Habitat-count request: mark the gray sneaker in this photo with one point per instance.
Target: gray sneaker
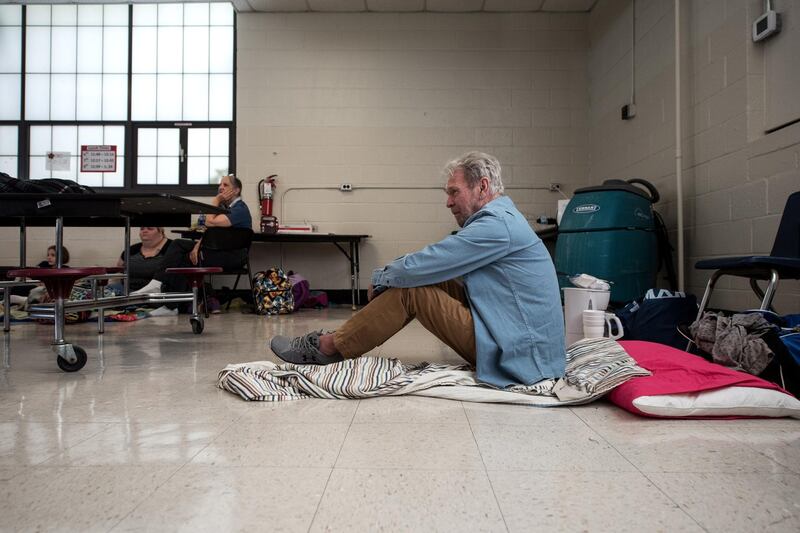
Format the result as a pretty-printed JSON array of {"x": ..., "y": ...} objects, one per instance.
[{"x": 303, "y": 350}]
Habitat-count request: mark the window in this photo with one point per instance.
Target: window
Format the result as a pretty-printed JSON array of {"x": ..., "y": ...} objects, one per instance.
[
  {"x": 8, "y": 149},
  {"x": 166, "y": 101},
  {"x": 10, "y": 61}
]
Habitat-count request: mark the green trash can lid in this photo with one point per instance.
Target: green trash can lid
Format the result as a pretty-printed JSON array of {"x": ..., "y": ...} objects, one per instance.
[{"x": 651, "y": 194}]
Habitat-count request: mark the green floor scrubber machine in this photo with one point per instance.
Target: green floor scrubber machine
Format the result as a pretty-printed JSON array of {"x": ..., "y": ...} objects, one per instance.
[{"x": 612, "y": 232}]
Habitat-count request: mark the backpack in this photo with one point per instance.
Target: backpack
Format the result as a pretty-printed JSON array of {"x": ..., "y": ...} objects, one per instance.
[
  {"x": 272, "y": 293},
  {"x": 655, "y": 317}
]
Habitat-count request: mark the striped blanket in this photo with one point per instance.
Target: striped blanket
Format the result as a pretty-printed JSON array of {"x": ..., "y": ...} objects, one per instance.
[{"x": 594, "y": 367}]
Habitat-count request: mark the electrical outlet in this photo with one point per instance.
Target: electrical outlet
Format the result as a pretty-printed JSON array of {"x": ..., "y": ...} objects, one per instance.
[
  {"x": 346, "y": 187},
  {"x": 628, "y": 111},
  {"x": 555, "y": 187}
]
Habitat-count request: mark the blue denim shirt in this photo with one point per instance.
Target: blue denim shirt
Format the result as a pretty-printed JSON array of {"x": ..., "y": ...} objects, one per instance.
[{"x": 513, "y": 293}]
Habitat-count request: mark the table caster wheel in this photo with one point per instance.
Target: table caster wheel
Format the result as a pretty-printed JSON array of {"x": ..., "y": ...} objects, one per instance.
[
  {"x": 66, "y": 366},
  {"x": 197, "y": 325}
]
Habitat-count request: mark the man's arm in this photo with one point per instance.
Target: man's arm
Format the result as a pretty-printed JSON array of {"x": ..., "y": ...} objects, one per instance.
[
  {"x": 220, "y": 221},
  {"x": 485, "y": 240}
]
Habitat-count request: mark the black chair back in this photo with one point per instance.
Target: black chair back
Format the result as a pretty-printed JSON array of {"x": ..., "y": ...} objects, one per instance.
[
  {"x": 227, "y": 238},
  {"x": 787, "y": 240}
]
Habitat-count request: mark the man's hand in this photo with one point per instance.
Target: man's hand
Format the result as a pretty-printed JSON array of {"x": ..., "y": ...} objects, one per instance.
[
  {"x": 227, "y": 196},
  {"x": 194, "y": 254},
  {"x": 370, "y": 292}
]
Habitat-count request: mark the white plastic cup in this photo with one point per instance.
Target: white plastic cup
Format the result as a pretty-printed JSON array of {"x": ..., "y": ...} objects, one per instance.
[
  {"x": 612, "y": 318},
  {"x": 576, "y": 300},
  {"x": 595, "y": 324}
]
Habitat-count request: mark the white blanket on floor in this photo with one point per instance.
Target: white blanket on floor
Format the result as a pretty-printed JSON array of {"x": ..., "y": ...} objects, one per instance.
[{"x": 594, "y": 367}]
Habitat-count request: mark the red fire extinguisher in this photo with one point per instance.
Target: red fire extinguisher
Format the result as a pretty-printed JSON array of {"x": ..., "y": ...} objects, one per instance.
[{"x": 266, "y": 192}]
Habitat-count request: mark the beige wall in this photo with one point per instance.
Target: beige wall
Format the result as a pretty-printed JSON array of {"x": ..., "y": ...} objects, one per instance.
[
  {"x": 384, "y": 100},
  {"x": 736, "y": 178}
]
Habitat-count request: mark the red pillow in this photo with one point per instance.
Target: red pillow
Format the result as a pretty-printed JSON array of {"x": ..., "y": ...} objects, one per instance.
[{"x": 676, "y": 372}]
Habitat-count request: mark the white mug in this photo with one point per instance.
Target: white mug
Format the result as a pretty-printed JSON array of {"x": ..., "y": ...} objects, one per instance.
[{"x": 595, "y": 323}]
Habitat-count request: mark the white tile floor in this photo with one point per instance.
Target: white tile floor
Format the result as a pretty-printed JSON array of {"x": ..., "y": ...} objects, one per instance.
[{"x": 141, "y": 439}]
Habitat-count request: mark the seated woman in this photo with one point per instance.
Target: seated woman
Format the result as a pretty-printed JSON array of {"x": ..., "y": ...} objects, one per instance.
[
  {"x": 146, "y": 258},
  {"x": 186, "y": 253}
]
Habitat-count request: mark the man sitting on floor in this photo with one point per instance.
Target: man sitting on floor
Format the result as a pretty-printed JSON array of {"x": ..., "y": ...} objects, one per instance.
[{"x": 489, "y": 291}]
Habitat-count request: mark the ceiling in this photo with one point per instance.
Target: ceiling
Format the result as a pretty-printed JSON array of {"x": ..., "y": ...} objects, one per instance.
[
  {"x": 377, "y": 6},
  {"x": 405, "y": 6}
]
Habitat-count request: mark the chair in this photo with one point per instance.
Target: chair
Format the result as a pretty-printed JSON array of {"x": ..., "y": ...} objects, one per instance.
[
  {"x": 782, "y": 263},
  {"x": 229, "y": 239}
]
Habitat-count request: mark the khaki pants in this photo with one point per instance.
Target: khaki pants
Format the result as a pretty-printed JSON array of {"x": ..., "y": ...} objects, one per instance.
[{"x": 442, "y": 309}]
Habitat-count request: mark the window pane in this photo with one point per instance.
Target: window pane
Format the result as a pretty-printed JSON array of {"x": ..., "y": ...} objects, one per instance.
[
  {"x": 37, "y": 49},
  {"x": 8, "y": 150},
  {"x": 197, "y": 171},
  {"x": 90, "y": 135},
  {"x": 219, "y": 141},
  {"x": 170, "y": 49},
  {"x": 115, "y": 179},
  {"x": 222, "y": 14},
  {"x": 37, "y": 97},
  {"x": 36, "y": 168},
  {"x": 90, "y": 97},
  {"x": 40, "y": 141},
  {"x": 90, "y": 50},
  {"x": 9, "y": 103},
  {"x": 65, "y": 15},
  {"x": 144, "y": 50},
  {"x": 170, "y": 14},
  {"x": 11, "y": 47},
  {"x": 169, "y": 97},
  {"x": 198, "y": 142},
  {"x": 65, "y": 139},
  {"x": 168, "y": 142},
  {"x": 115, "y": 97},
  {"x": 62, "y": 97},
  {"x": 195, "y": 14},
  {"x": 221, "y": 59},
  {"x": 220, "y": 97},
  {"x": 90, "y": 15},
  {"x": 146, "y": 170},
  {"x": 38, "y": 15},
  {"x": 144, "y": 97},
  {"x": 219, "y": 168},
  {"x": 115, "y": 15},
  {"x": 167, "y": 171},
  {"x": 10, "y": 15},
  {"x": 115, "y": 50},
  {"x": 64, "y": 50},
  {"x": 9, "y": 164},
  {"x": 195, "y": 97},
  {"x": 8, "y": 140},
  {"x": 91, "y": 179},
  {"x": 145, "y": 15},
  {"x": 115, "y": 135},
  {"x": 148, "y": 141},
  {"x": 195, "y": 59}
]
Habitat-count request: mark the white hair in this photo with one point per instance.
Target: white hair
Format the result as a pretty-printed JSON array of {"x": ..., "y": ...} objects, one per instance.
[{"x": 475, "y": 166}]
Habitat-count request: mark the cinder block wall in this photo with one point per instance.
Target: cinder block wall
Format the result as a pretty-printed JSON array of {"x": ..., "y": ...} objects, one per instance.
[
  {"x": 384, "y": 100},
  {"x": 736, "y": 178}
]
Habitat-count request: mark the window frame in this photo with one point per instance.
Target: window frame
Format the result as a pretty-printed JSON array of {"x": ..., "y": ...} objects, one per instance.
[{"x": 131, "y": 128}]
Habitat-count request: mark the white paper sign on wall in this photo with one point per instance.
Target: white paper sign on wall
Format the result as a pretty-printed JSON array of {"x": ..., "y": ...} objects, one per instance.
[
  {"x": 57, "y": 161},
  {"x": 98, "y": 158}
]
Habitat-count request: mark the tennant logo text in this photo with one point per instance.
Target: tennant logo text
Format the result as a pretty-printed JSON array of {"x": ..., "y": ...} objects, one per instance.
[{"x": 586, "y": 208}]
